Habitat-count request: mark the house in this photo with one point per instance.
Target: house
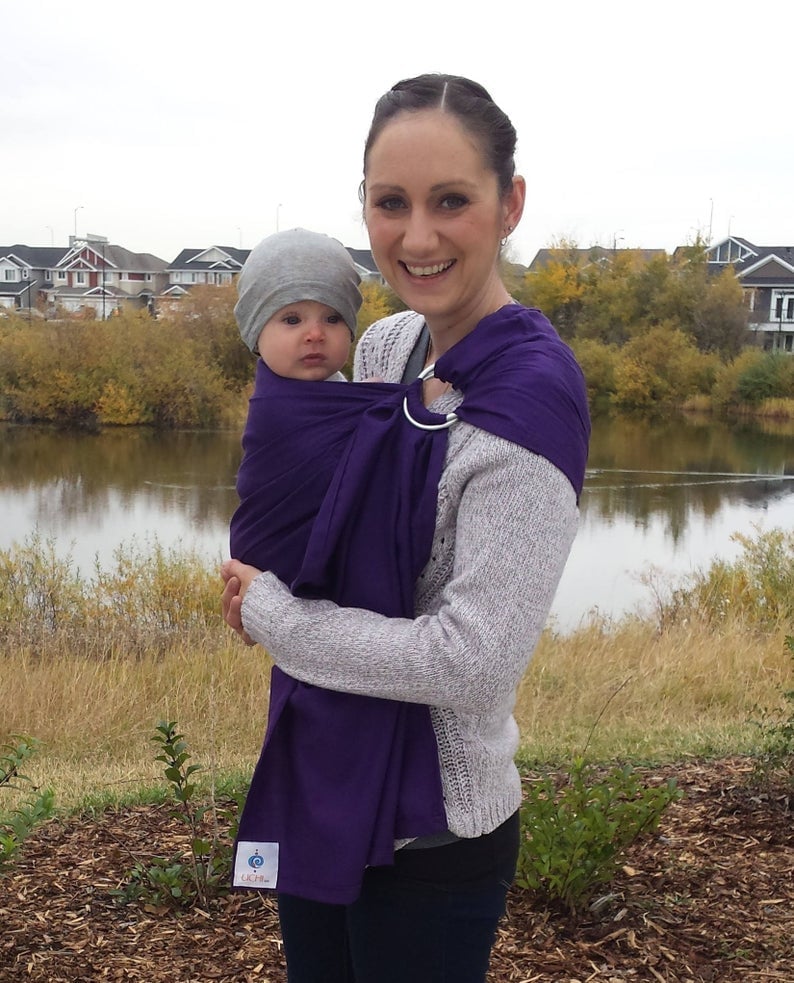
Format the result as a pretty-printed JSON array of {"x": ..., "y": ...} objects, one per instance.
[
  {"x": 95, "y": 275},
  {"x": 214, "y": 265},
  {"x": 600, "y": 255},
  {"x": 365, "y": 265},
  {"x": 766, "y": 274},
  {"x": 26, "y": 272}
]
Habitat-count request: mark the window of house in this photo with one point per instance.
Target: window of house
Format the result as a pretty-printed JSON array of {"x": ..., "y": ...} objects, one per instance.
[
  {"x": 80, "y": 276},
  {"x": 790, "y": 309},
  {"x": 61, "y": 274},
  {"x": 10, "y": 275}
]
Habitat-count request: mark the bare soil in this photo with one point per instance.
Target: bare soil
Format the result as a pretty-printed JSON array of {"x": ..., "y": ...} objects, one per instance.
[{"x": 708, "y": 897}]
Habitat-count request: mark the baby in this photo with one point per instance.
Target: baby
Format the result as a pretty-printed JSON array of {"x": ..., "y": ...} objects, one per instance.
[{"x": 298, "y": 299}]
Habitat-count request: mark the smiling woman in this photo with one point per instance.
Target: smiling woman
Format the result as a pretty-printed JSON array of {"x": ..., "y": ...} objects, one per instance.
[
  {"x": 436, "y": 211},
  {"x": 440, "y": 196}
]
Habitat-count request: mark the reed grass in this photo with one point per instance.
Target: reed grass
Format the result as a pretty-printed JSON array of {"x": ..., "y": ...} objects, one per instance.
[{"x": 91, "y": 678}]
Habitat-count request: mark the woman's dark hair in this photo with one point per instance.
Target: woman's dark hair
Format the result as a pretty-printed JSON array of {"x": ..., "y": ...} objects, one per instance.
[{"x": 468, "y": 101}]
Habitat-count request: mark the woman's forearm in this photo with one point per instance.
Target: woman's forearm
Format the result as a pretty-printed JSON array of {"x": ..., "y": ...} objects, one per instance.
[{"x": 515, "y": 524}]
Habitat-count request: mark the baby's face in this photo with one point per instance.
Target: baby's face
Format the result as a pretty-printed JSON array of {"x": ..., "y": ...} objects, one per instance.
[{"x": 305, "y": 340}]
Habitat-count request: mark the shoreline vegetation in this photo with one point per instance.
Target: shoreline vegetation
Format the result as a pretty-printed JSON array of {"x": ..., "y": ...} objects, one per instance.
[
  {"x": 683, "y": 346},
  {"x": 90, "y": 664}
]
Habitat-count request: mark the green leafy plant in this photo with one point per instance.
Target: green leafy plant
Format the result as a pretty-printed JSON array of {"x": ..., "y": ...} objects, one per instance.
[
  {"x": 204, "y": 871},
  {"x": 575, "y": 834},
  {"x": 34, "y": 805},
  {"x": 776, "y": 756}
]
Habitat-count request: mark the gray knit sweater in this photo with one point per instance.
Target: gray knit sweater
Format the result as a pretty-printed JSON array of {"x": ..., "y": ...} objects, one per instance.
[{"x": 505, "y": 523}]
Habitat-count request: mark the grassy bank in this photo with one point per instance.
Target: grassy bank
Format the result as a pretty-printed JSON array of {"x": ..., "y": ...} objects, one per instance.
[{"x": 90, "y": 666}]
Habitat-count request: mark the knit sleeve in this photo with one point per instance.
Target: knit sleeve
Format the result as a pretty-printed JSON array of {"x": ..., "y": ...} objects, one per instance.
[
  {"x": 515, "y": 525},
  {"x": 384, "y": 347}
]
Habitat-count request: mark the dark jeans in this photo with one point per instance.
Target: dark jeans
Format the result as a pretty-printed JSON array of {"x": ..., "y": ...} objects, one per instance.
[{"x": 431, "y": 918}]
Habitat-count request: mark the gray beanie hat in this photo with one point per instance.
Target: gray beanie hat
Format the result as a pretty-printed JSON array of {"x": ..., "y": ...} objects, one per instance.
[{"x": 292, "y": 266}]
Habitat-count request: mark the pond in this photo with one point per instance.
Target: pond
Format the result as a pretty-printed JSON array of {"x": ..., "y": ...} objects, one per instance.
[{"x": 666, "y": 496}]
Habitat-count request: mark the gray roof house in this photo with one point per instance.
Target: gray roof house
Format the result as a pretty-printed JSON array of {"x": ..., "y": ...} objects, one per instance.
[
  {"x": 215, "y": 265},
  {"x": 766, "y": 274},
  {"x": 365, "y": 265},
  {"x": 97, "y": 275},
  {"x": 25, "y": 273}
]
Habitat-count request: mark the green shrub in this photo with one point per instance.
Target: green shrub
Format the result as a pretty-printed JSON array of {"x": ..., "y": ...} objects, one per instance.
[
  {"x": 205, "y": 871},
  {"x": 33, "y": 806},
  {"x": 767, "y": 378},
  {"x": 574, "y": 836}
]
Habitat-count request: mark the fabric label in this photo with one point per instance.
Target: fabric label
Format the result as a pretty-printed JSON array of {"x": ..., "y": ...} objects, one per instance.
[{"x": 255, "y": 865}]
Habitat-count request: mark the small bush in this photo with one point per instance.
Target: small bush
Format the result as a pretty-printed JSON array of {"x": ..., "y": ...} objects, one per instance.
[
  {"x": 574, "y": 836},
  {"x": 204, "y": 872},
  {"x": 33, "y": 806},
  {"x": 756, "y": 588}
]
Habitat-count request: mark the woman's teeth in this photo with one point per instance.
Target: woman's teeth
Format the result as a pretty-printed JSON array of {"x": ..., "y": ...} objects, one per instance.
[{"x": 428, "y": 270}]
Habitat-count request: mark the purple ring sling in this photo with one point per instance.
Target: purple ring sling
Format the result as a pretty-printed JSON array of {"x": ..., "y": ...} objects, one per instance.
[{"x": 338, "y": 495}]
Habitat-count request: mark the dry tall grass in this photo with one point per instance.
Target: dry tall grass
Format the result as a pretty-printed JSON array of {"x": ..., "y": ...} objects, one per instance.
[{"x": 92, "y": 689}]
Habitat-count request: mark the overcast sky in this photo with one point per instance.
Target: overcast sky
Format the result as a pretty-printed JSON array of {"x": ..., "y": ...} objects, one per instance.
[{"x": 170, "y": 124}]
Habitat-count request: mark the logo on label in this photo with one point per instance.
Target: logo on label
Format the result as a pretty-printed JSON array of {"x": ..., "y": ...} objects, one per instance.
[
  {"x": 256, "y": 860},
  {"x": 255, "y": 865}
]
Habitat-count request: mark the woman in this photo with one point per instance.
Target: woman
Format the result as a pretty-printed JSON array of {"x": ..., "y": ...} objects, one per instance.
[{"x": 440, "y": 196}]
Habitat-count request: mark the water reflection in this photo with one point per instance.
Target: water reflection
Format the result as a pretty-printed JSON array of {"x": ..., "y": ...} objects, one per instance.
[
  {"x": 664, "y": 493},
  {"x": 683, "y": 471},
  {"x": 84, "y": 478}
]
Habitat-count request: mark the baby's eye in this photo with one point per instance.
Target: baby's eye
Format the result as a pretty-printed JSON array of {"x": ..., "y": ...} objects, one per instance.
[
  {"x": 334, "y": 318},
  {"x": 291, "y": 319},
  {"x": 452, "y": 202}
]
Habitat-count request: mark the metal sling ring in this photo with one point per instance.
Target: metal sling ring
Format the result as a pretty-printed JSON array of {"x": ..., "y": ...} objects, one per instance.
[{"x": 451, "y": 417}]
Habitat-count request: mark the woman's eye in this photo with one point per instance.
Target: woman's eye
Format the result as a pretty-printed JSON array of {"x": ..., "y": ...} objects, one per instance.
[
  {"x": 391, "y": 204},
  {"x": 451, "y": 202}
]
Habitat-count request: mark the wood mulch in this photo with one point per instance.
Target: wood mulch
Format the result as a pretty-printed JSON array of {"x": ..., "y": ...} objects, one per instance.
[{"x": 708, "y": 897}]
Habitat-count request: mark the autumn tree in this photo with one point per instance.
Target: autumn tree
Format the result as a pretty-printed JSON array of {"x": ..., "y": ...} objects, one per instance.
[
  {"x": 206, "y": 316},
  {"x": 661, "y": 367},
  {"x": 557, "y": 288},
  {"x": 720, "y": 316}
]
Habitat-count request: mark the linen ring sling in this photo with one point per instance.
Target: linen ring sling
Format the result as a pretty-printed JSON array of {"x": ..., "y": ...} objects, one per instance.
[{"x": 338, "y": 489}]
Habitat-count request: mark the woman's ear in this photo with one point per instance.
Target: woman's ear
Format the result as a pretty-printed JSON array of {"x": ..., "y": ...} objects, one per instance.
[{"x": 514, "y": 203}]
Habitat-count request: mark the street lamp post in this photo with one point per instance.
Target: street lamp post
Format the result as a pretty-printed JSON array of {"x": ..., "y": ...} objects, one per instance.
[{"x": 29, "y": 287}]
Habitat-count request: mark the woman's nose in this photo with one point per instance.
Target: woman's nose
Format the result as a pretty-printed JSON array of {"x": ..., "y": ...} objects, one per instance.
[{"x": 419, "y": 236}]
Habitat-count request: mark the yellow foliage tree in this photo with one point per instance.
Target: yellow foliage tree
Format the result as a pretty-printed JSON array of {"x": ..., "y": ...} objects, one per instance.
[{"x": 557, "y": 288}]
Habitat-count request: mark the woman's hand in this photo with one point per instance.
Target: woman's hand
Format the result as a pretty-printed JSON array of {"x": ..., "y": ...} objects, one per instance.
[{"x": 237, "y": 578}]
